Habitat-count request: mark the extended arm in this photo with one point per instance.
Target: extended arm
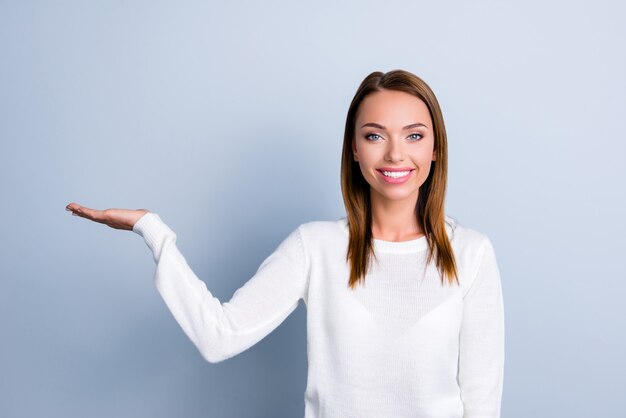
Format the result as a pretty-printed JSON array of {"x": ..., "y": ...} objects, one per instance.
[
  {"x": 481, "y": 355},
  {"x": 222, "y": 330}
]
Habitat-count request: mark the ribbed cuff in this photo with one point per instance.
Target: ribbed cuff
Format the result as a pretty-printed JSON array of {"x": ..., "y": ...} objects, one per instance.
[{"x": 152, "y": 229}]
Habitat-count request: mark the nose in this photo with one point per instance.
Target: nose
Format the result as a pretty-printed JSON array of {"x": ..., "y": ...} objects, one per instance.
[{"x": 394, "y": 151}]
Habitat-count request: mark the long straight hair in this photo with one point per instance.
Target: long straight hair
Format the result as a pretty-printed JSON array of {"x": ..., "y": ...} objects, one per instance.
[{"x": 429, "y": 210}]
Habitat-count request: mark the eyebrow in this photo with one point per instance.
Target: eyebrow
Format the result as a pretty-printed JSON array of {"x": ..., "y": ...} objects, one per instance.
[{"x": 379, "y": 126}]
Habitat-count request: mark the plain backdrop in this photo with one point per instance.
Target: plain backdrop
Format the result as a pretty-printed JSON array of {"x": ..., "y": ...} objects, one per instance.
[{"x": 226, "y": 119}]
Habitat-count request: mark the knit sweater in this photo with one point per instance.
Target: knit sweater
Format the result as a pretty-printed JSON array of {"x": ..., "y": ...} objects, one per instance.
[{"x": 402, "y": 345}]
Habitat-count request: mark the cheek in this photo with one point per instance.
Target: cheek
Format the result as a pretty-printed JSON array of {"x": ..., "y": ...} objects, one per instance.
[
  {"x": 424, "y": 156},
  {"x": 366, "y": 167},
  {"x": 366, "y": 158},
  {"x": 423, "y": 161}
]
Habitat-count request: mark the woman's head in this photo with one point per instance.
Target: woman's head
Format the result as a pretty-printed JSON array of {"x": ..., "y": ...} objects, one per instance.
[
  {"x": 398, "y": 95},
  {"x": 393, "y": 143}
]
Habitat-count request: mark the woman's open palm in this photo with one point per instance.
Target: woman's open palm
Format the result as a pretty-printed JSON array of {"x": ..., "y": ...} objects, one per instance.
[{"x": 113, "y": 217}]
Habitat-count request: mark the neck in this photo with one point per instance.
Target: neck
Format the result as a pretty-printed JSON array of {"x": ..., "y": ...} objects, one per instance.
[{"x": 395, "y": 220}]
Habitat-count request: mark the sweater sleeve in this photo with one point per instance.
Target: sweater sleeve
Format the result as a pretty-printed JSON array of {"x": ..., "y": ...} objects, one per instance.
[
  {"x": 481, "y": 350},
  {"x": 223, "y": 330}
]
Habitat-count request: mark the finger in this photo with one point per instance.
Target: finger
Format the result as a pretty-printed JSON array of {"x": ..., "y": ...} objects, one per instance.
[
  {"x": 74, "y": 208},
  {"x": 93, "y": 214},
  {"x": 88, "y": 213}
]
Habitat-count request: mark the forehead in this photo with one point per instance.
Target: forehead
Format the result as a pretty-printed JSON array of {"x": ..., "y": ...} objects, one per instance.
[{"x": 393, "y": 108}]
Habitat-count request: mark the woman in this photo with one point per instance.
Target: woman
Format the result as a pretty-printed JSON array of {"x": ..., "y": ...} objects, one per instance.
[{"x": 404, "y": 305}]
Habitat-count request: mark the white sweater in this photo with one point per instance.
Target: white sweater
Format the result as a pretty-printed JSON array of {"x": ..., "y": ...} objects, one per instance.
[{"x": 402, "y": 346}]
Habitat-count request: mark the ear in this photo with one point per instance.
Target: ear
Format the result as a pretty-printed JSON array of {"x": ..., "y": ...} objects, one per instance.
[
  {"x": 356, "y": 157},
  {"x": 434, "y": 155}
]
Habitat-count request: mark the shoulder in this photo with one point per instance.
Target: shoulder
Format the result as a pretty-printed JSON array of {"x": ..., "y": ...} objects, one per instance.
[
  {"x": 324, "y": 228},
  {"x": 464, "y": 237},
  {"x": 460, "y": 235},
  {"x": 325, "y": 234},
  {"x": 472, "y": 249},
  {"x": 333, "y": 224}
]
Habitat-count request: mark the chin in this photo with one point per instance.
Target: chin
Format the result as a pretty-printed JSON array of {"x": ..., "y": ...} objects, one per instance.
[{"x": 398, "y": 196}]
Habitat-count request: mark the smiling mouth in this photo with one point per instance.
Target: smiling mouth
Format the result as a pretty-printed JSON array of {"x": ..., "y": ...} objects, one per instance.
[{"x": 395, "y": 174}]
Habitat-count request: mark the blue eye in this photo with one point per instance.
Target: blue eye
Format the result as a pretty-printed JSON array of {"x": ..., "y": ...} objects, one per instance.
[
  {"x": 412, "y": 136},
  {"x": 370, "y": 135}
]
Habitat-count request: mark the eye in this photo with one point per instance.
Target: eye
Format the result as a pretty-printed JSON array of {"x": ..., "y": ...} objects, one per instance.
[
  {"x": 414, "y": 138},
  {"x": 372, "y": 137}
]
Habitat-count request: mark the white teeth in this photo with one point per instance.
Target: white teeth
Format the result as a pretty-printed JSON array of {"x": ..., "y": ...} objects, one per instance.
[{"x": 396, "y": 174}]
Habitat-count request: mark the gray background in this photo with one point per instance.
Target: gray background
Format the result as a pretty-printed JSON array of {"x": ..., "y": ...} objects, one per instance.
[{"x": 227, "y": 121}]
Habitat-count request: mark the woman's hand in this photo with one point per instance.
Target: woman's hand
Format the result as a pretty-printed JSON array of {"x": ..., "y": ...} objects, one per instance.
[{"x": 115, "y": 218}]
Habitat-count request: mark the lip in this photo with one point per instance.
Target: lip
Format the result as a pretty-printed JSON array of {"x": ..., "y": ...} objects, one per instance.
[
  {"x": 395, "y": 169},
  {"x": 391, "y": 180}
]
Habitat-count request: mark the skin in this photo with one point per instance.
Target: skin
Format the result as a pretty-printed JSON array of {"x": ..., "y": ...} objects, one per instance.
[
  {"x": 393, "y": 205},
  {"x": 115, "y": 218}
]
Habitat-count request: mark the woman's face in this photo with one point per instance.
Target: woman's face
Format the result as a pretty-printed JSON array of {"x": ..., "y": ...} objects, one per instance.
[{"x": 394, "y": 144}]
